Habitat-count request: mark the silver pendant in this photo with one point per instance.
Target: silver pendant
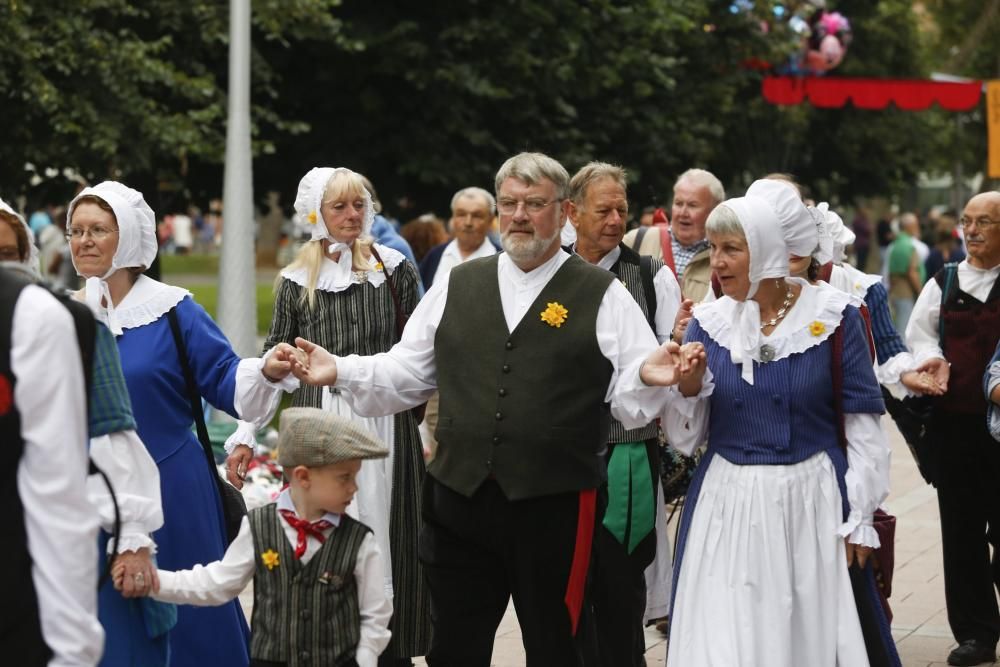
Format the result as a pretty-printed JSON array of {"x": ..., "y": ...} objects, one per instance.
[{"x": 766, "y": 353}]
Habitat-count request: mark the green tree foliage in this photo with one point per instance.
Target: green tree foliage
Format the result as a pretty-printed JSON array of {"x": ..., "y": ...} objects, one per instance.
[{"x": 428, "y": 97}]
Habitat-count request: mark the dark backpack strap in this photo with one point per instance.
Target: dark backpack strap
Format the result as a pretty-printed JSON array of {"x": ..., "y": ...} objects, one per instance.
[
  {"x": 947, "y": 280},
  {"x": 639, "y": 234},
  {"x": 648, "y": 290}
]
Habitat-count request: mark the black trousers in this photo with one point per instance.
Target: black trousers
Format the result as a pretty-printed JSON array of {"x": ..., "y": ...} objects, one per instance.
[
  {"x": 619, "y": 586},
  {"x": 478, "y": 552},
  {"x": 969, "y": 500}
]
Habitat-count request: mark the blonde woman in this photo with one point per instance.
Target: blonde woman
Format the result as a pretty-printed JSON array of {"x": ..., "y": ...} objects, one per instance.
[{"x": 338, "y": 292}]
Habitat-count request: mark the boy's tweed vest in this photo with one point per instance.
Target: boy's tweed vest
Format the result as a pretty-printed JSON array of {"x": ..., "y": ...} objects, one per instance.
[
  {"x": 524, "y": 407},
  {"x": 305, "y": 614}
]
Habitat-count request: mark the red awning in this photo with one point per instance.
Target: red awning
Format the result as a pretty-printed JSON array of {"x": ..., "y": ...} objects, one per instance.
[{"x": 906, "y": 94}]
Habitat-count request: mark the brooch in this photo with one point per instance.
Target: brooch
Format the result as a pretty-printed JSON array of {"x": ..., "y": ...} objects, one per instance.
[
  {"x": 335, "y": 581},
  {"x": 312, "y": 218},
  {"x": 555, "y": 314},
  {"x": 270, "y": 559},
  {"x": 817, "y": 328},
  {"x": 766, "y": 353}
]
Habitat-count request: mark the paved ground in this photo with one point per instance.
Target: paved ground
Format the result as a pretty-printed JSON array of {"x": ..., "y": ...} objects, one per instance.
[{"x": 920, "y": 626}]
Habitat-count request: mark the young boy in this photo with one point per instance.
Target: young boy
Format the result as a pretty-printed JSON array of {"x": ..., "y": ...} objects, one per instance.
[{"x": 317, "y": 573}]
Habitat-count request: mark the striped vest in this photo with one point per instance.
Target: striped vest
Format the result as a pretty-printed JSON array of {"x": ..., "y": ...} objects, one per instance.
[
  {"x": 305, "y": 614},
  {"x": 628, "y": 271}
]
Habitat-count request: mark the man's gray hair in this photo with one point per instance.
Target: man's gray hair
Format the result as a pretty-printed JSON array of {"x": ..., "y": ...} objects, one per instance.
[
  {"x": 491, "y": 202},
  {"x": 700, "y": 178},
  {"x": 723, "y": 221},
  {"x": 590, "y": 173},
  {"x": 533, "y": 168}
]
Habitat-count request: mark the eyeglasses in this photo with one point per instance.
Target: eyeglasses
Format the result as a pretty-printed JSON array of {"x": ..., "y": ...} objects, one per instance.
[
  {"x": 982, "y": 223},
  {"x": 97, "y": 233},
  {"x": 532, "y": 206}
]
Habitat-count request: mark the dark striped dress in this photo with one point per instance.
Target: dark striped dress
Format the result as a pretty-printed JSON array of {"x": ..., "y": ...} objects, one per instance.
[{"x": 361, "y": 320}]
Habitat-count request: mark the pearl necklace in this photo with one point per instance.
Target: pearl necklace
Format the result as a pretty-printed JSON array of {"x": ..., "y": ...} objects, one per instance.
[{"x": 786, "y": 304}]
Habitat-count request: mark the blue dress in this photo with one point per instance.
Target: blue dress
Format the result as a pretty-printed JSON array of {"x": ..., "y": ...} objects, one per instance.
[{"x": 192, "y": 531}]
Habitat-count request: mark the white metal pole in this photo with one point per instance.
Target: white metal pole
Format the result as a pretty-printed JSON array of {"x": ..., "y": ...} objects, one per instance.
[{"x": 237, "y": 312}]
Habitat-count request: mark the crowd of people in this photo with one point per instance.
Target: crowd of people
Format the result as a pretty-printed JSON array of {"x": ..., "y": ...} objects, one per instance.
[{"x": 478, "y": 415}]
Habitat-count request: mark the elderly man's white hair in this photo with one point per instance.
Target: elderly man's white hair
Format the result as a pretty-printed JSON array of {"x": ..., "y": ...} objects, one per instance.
[
  {"x": 701, "y": 178},
  {"x": 473, "y": 191}
]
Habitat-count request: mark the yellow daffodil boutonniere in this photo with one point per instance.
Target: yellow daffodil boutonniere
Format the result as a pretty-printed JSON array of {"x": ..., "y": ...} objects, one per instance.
[
  {"x": 817, "y": 328},
  {"x": 312, "y": 217},
  {"x": 555, "y": 314},
  {"x": 378, "y": 266},
  {"x": 270, "y": 559}
]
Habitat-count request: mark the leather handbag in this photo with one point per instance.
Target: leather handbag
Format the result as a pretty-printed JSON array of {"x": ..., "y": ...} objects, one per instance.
[
  {"x": 401, "y": 319},
  {"x": 234, "y": 507}
]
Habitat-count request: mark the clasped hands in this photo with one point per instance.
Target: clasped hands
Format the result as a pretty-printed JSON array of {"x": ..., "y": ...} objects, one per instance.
[
  {"x": 670, "y": 363},
  {"x": 929, "y": 378},
  {"x": 134, "y": 574}
]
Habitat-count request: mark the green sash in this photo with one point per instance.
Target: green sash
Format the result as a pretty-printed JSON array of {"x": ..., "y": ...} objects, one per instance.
[{"x": 631, "y": 501}]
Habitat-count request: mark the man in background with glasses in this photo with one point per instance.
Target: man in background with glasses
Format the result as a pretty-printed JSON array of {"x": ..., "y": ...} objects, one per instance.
[{"x": 953, "y": 332}]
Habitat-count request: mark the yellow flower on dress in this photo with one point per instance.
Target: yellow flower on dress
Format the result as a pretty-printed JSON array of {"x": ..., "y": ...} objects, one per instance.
[
  {"x": 270, "y": 559},
  {"x": 555, "y": 314},
  {"x": 312, "y": 217},
  {"x": 378, "y": 266},
  {"x": 817, "y": 328}
]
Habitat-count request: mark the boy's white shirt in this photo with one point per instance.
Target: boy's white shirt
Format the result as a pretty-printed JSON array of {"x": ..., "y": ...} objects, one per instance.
[{"x": 221, "y": 581}]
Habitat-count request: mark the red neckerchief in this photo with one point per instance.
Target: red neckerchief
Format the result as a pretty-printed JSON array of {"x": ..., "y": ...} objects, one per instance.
[{"x": 304, "y": 528}]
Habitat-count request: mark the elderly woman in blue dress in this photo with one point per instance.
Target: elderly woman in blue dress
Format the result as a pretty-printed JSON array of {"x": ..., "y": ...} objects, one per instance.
[
  {"x": 112, "y": 236},
  {"x": 772, "y": 564}
]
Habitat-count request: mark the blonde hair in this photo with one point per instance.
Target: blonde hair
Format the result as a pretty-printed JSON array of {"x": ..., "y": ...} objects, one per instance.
[{"x": 342, "y": 186}]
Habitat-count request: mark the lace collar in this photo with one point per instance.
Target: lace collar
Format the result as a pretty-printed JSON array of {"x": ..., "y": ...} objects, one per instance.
[
  {"x": 812, "y": 319},
  {"x": 849, "y": 279},
  {"x": 146, "y": 302},
  {"x": 337, "y": 276}
]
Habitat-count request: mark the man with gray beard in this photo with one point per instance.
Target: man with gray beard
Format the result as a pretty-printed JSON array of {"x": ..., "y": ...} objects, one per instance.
[{"x": 533, "y": 351}]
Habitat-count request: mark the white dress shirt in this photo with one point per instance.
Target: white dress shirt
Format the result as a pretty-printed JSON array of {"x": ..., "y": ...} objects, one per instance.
[
  {"x": 219, "y": 582},
  {"x": 668, "y": 294},
  {"x": 406, "y": 375},
  {"x": 61, "y": 525},
  {"x": 452, "y": 257},
  {"x": 922, "y": 328}
]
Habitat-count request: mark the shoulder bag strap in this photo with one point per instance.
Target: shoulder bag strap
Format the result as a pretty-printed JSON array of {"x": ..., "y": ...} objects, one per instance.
[
  {"x": 400, "y": 318},
  {"x": 193, "y": 396},
  {"x": 837, "y": 370},
  {"x": 639, "y": 234},
  {"x": 648, "y": 289},
  {"x": 950, "y": 273}
]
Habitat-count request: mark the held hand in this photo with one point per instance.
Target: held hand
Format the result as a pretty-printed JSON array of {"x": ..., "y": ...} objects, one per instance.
[
  {"x": 138, "y": 576},
  {"x": 681, "y": 320},
  {"x": 922, "y": 383},
  {"x": 940, "y": 369},
  {"x": 279, "y": 362},
  {"x": 662, "y": 367},
  {"x": 693, "y": 364},
  {"x": 857, "y": 552},
  {"x": 237, "y": 464},
  {"x": 314, "y": 365}
]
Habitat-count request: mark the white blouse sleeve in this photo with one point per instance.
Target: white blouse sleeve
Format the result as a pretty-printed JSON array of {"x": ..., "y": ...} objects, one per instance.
[
  {"x": 374, "y": 606},
  {"x": 867, "y": 477},
  {"x": 890, "y": 373},
  {"x": 256, "y": 400},
  {"x": 922, "y": 328},
  {"x": 668, "y": 301},
  {"x": 136, "y": 482},
  {"x": 215, "y": 583},
  {"x": 685, "y": 418}
]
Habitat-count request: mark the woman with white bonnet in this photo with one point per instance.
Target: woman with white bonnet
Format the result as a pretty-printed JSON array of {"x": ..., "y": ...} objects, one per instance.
[
  {"x": 773, "y": 552},
  {"x": 345, "y": 292},
  {"x": 112, "y": 235}
]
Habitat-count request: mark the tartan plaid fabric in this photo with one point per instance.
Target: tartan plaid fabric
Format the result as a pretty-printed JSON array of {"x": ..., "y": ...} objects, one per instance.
[{"x": 110, "y": 407}]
